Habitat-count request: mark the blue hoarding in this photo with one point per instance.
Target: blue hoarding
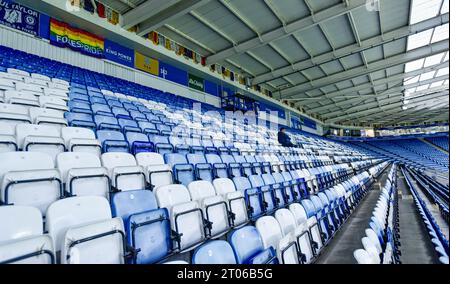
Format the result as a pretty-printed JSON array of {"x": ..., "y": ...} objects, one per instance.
[
  {"x": 19, "y": 17},
  {"x": 211, "y": 88},
  {"x": 173, "y": 74},
  {"x": 118, "y": 53}
]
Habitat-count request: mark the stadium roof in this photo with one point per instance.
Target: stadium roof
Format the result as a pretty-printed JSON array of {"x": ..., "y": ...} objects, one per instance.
[{"x": 375, "y": 62}]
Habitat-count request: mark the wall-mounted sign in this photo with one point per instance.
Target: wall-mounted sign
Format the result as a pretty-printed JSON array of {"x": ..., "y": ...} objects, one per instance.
[{"x": 196, "y": 83}]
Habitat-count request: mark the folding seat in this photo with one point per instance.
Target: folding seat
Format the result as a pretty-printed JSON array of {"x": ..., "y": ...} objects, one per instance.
[
  {"x": 179, "y": 144},
  {"x": 256, "y": 166},
  {"x": 128, "y": 125},
  {"x": 53, "y": 103},
  {"x": 51, "y": 117},
  {"x": 203, "y": 169},
  {"x": 208, "y": 145},
  {"x": 138, "y": 116},
  {"x": 8, "y": 141},
  {"x": 78, "y": 139},
  {"x": 40, "y": 138},
  {"x": 363, "y": 257},
  {"x": 246, "y": 167},
  {"x": 317, "y": 236},
  {"x": 6, "y": 84},
  {"x": 271, "y": 202},
  {"x": 116, "y": 107},
  {"x": 163, "y": 127},
  {"x": 101, "y": 109},
  {"x": 195, "y": 144},
  {"x": 215, "y": 208},
  {"x": 214, "y": 252},
  {"x": 79, "y": 107},
  {"x": 183, "y": 172},
  {"x": 152, "y": 117},
  {"x": 186, "y": 217},
  {"x": 235, "y": 199},
  {"x": 147, "y": 127},
  {"x": 219, "y": 169},
  {"x": 84, "y": 231},
  {"x": 234, "y": 169},
  {"x": 129, "y": 106},
  {"x": 29, "y": 178},
  {"x": 35, "y": 82},
  {"x": 76, "y": 97},
  {"x": 124, "y": 172},
  {"x": 21, "y": 98},
  {"x": 299, "y": 186},
  {"x": 147, "y": 227},
  {"x": 281, "y": 190},
  {"x": 57, "y": 91},
  {"x": 83, "y": 174},
  {"x": 253, "y": 197},
  {"x": 112, "y": 141},
  {"x": 248, "y": 247},
  {"x": 265, "y": 165},
  {"x": 21, "y": 239},
  {"x": 139, "y": 142},
  {"x": 272, "y": 237},
  {"x": 120, "y": 113},
  {"x": 288, "y": 192},
  {"x": 14, "y": 114},
  {"x": 162, "y": 145},
  {"x": 156, "y": 171},
  {"x": 103, "y": 122}
]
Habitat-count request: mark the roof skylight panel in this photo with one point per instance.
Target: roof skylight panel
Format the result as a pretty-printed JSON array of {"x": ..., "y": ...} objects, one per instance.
[
  {"x": 427, "y": 76},
  {"x": 414, "y": 65},
  {"x": 422, "y": 88},
  {"x": 440, "y": 33},
  {"x": 411, "y": 80},
  {"x": 419, "y": 39},
  {"x": 433, "y": 60},
  {"x": 424, "y": 9},
  {"x": 437, "y": 84},
  {"x": 444, "y": 7},
  {"x": 442, "y": 72}
]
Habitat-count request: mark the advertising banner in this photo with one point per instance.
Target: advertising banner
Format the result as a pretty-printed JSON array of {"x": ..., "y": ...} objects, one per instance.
[
  {"x": 173, "y": 74},
  {"x": 64, "y": 35},
  {"x": 146, "y": 64},
  {"x": 119, "y": 54},
  {"x": 196, "y": 83},
  {"x": 19, "y": 17}
]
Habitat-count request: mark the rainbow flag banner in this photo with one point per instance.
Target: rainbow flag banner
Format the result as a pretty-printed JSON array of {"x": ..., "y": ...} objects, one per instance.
[{"x": 64, "y": 35}]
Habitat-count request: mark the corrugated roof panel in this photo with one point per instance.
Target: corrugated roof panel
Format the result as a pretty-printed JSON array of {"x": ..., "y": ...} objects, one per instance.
[
  {"x": 339, "y": 31},
  {"x": 367, "y": 23},
  {"x": 351, "y": 61},
  {"x": 394, "y": 14},
  {"x": 270, "y": 56},
  {"x": 314, "y": 41},
  {"x": 249, "y": 63},
  {"x": 291, "y": 10},
  {"x": 297, "y": 78},
  {"x": 374, "y": 54},
  {"x": 313, "y": 73},
  {"x": 291, "y": 48},
  {"x": 332, "y": 67},
  {"x": 395, "y": 47},
  {"x": 318, "y": 5}
]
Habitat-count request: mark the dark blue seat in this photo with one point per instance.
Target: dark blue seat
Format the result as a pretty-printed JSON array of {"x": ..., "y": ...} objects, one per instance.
[
  {"x": 128, "y": 125},
  {"x": 101, "y": 109},
  {"x": 220, "y": 169},
  {"x": 80, "y": 107},
  {"x": 139, "y": 142},
  {"x": 147, "y": 227},
  {"x": 253, "y": 197},
  {"x": 184, "y": 173},
  {"x": 103, "y": 122},
  {"x": 112, "y": 141},
  {"x": 248, "y": 247},
  {"x": 203, "y": 170},
  {"x": 271, "y": 202},
  {"x": 120, "y": 113},
  {"x": 162, "y": 145},
  {"x": 76, "y": 119}
]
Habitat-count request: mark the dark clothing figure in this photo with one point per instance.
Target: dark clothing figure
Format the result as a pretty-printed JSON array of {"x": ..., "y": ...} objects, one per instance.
[{"x": 284, "y": 139}]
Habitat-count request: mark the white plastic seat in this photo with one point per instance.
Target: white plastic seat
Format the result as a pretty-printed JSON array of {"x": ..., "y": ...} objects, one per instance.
[
  {"x": 214, "y": 207},
  {"x": 53, "y": 102},
  {"x": 156, "y": 171},
  {"x": 29, "y": 178},
  {"x": 58, "y": 91},
  {"x": 272, "y": 236},
  {"x": 21, "y": 98},
  {"x": 362, "y": 257},
  {"x": 51, "y": 117},
  {"x": 123, "y": 170},
  {"x": 14, "y": 114},
  {"x": 34, "y": 81},
  {"x": 40, "y": 77},
  {"x": 79, "y": 139},
  {"x": 84, "y": 232},
  {"x": 40, "y": 138},
  {"x": 370, "y": 247},
  {"x": 21, "y": 236},
  {"x": 8, "y": 141},
  {"x": 83, "y": 174},
  {"x": 186, "y": 216},
  {"x": 7, "y": 84},
  {"x": 235, "y": 199}
]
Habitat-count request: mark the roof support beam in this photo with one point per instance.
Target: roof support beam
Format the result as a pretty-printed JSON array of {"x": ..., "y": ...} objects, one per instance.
[
  {"x": 391, "y": 96},
  {"x": 369, "y": 85},
  {"x": 152, "y": 15},
  {"x": 388, "y": 105},
  {"x": 412, "y": 55},
  {"x": 284, "y": 31},
  {"x": 355, "y": 48}
]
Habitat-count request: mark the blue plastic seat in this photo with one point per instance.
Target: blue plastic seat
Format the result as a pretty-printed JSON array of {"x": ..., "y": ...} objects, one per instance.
[
  {"x": 139, "y": 142},
  {"x": 271, "y": 203},
  {"x": 80, "y": 107},
  {"x": 112, "y": 141},
  {"x": 138, "y": 116},
  {"x": 101, "y": 109},
  {"x": 253, "y": 197},
  {"x": 128, "y": 125},
  {"x": 214, "y": 252},
  {"x": 147, "y": 227},
  {"x": 203, "y": 170},
  {"x": 120, "y": 113},
  {"x": 248, "y": 247},
  {"x": 183, "y": 172},
  {"x": 220, "y": 169},
  {"x": 103, "y": 122},
  {"x": 76, "y": 119},
  {"x": 235, "y": 169},
  {"x": 162, "y": 145},
  {"x": 147, "y": 127},
  {"x": 246, "y": 167}
]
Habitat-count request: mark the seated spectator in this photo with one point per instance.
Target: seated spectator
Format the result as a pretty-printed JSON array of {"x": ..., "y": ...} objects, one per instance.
[{"x": 284, "y": 139}]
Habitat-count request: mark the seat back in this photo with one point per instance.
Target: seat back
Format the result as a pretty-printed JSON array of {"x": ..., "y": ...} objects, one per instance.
[
  {"x": 19, "y": 222},
  {"x": 123, "y": 170},
  {"x": 246, "y": 243},
  {"x": 156, "y": 171},
  {"x": 214, "y": 252}
]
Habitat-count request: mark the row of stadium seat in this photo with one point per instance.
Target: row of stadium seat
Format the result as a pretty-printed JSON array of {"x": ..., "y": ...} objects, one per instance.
[{"x": 381, "y": 240}]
